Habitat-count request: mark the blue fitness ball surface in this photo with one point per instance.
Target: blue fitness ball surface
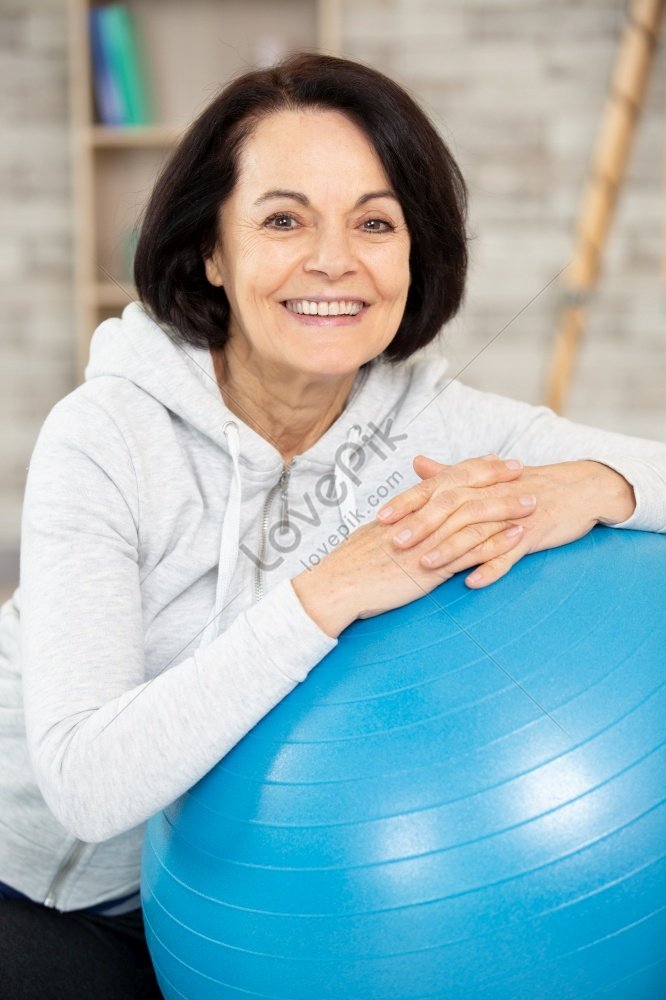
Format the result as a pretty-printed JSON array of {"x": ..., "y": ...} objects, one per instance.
[{"x": 465, "y": 799}]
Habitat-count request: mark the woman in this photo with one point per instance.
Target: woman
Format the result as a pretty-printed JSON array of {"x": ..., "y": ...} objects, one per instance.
[{"x": 207, "y": 512}]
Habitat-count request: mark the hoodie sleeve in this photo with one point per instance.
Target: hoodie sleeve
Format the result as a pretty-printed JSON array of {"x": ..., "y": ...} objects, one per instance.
[
  {"x": 109, "y": 749},
  {"x": 478, "y": 422}
]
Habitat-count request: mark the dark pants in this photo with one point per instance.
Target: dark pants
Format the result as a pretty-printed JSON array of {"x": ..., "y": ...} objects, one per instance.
[{"x": 48, "y": 955}]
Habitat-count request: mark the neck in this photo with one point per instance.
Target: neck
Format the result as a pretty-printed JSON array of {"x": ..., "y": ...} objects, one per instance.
[{"x": 290, "y": 410}]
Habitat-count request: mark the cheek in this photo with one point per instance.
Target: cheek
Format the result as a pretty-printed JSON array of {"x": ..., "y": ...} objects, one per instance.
[
  {"x": 269, "y": 266},
  {"x": 393, "y": 277}
]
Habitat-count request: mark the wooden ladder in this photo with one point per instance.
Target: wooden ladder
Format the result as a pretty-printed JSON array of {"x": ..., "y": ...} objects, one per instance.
[{"x": 623, "y": 107}]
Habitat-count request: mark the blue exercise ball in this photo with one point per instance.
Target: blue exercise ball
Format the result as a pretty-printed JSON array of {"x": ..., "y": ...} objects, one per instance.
[{"x": 465, "y": 799}]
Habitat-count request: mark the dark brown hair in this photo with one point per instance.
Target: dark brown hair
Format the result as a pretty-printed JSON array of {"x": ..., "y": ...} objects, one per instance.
[{"x": 180, "y": 226}]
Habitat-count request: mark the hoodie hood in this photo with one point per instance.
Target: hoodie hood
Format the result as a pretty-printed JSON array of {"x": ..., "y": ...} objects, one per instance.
[{"x": 181, "y": 378}]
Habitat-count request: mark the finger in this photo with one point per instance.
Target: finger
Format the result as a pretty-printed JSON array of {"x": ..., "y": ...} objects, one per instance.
[
  {"x": 494, "y": 569},
  {"x": 496, "y": 545},
  {"x": 472, "y": 542},
  {"x": 473, "y": 472},
  {"x": 449, "y": 513},
  {"x": 404, "y": 503},
  {"x": 480, "y": 471},
  {"x": 426, "y": 467}
]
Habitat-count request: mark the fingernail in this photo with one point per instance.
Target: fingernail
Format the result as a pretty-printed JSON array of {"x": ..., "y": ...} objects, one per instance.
[
  {"x": 474, "y": 577},
  {"x": 384, "y": 512},
  {"x": 528, "y": 501},
  {"x": 431, "y": 557},
  {"x": 404, "y": 536},
  {"x": 515, "y": 530},
  {"x": 514, "y": 464}
]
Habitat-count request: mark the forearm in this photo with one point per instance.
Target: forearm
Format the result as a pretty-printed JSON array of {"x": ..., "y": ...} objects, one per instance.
[
  {"x": 537, "y": 436},
  {"x": 330, "y": 605},
  {"x": 109, "y": 769}
]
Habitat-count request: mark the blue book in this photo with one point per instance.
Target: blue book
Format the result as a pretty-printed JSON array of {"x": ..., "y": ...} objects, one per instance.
[
  {"x": 121, "y": 50},
  {"x": 105, "y": 87}
]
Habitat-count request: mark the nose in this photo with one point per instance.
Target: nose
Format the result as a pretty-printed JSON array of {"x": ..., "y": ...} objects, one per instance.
[{"x": 331, "y": 252}]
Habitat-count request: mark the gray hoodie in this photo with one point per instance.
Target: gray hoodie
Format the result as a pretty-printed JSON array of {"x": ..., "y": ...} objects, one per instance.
[{"x": 155, "y": 622}]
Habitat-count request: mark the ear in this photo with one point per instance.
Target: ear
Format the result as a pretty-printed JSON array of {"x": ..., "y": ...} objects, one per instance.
[{"x": 214, "y": 271}]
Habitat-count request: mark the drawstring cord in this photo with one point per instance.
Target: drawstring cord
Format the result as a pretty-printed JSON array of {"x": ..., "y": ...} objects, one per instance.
[{"x": 230, "y": 536}]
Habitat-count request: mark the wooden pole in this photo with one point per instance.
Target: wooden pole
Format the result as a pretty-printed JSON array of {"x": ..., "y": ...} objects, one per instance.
[{"x": 609, "y": 161}]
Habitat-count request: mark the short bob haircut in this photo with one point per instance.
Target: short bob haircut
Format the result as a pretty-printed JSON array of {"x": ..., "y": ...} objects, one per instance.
[{"x": 180, "y": 226}]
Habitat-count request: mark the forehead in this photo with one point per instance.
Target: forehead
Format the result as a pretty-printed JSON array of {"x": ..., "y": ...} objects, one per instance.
[{"x": 311, "y": 148}]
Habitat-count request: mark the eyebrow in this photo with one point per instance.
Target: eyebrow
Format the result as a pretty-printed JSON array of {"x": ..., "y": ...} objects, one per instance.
[{"x": 304, "y": 200}]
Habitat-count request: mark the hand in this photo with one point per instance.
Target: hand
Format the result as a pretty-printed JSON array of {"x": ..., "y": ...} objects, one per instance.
[
  {"x": 366, "y": 575},
  {"x": 454, "y": 528}
]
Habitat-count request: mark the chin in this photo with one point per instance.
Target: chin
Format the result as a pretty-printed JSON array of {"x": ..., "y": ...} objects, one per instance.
[{"x": 324, "y": 363}]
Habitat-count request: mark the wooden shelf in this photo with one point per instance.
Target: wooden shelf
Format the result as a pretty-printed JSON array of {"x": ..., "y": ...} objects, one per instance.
[{"x": 132, "y": 136}]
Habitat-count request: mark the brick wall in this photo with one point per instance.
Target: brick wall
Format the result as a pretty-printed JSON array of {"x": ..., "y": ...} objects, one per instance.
[
  {"x": 36, "y": 333},
  {"x": 517, "y": 90}
]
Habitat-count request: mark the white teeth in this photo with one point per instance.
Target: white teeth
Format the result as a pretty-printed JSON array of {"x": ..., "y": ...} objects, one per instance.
[{"x": 307, "y": 307}]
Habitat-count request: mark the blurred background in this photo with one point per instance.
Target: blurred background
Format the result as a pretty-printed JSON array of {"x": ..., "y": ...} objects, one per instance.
[{"x": 517, "y": 89}]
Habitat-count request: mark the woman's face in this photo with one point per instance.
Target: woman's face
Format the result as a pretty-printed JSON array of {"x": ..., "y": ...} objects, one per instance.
[{"x": 313, "y": 250}]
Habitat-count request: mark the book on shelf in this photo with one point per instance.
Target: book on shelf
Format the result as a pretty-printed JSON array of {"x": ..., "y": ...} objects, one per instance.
[
  {"x": 105, "y": 87},
  {"x": 121, "y": 95}
]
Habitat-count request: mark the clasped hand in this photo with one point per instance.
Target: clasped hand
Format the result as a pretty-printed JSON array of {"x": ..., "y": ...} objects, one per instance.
[{"x": 489, "y": 513}]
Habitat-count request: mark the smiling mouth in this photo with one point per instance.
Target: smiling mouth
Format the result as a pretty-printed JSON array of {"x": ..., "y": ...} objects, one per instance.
[{"x": 311, "y": 307}]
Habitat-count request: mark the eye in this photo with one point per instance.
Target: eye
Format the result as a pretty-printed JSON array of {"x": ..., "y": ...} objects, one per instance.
[
  {"x": 281, "y": 220},
  {"x": 377, "y": 226}
]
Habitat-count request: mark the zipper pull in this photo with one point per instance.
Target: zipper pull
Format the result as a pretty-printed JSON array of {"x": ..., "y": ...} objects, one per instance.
[{"x": 284, "y": 511}]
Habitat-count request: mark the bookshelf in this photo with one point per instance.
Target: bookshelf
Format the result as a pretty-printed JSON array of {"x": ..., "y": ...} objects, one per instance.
[{"x": 188, "y": 52}]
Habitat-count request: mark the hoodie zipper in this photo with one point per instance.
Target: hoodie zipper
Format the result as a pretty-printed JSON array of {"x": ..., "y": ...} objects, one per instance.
[
  {"x": 281, "y": 487},
  {"x": 70, "y": 860}
]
